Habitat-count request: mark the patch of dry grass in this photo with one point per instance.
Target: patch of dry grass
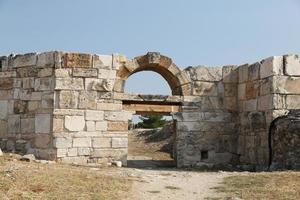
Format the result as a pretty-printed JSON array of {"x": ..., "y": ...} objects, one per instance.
[
  {"x": 273, "y": 185},
  {"x": 24, "y": 180}
]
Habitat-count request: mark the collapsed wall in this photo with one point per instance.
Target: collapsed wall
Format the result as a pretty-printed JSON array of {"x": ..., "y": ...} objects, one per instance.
[{"x": 70, "y": 107}]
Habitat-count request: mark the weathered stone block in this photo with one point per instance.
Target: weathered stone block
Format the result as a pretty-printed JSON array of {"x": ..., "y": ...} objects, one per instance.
[
  {"x": 14, "y": 124},
  {"x": 42, "y": 123},
  {"x": 202, "y": 73},
  {"x": 72, "y": 152},
  {"x": 243, "y": 73},
  {"x": 84, "y": 151},
  {"x": 82, "y": 142},
  {"x": 62, "y": 73},
  {"x": 69, "y": 84},
  {"x": 8, "y": 74},
  {"x": 271, "y": 66},
  {"x": 117, "y": 126},
  {"x": 253, "y": 71},
  {"x": 99, "y": 84},
  {"x": 230, "y": 90},
  {"x": 286, "y": 85},
  {"x": 3, "y": 129},
  {"x": 62, "y": 142},
  {"x": 201, "y": 88},
  {"x": 117, "y": 116},
  {"x": 94, "y": 115},
  {"x": 3, "y": 109},
  {"x": 250, "y": 105},
  {"x": 45, "y": 72},
  {"x": 6, "y": 84},
  {"x": 90, "y": 126},
  {"x": 292, "y": 65},
  {"x": 107, "y": 74},
  {"x": 58, "y": 125},
  {"x": 101, "y": 126},
  {"x": 68, "y": 99},
  {"x": 42, "y": 141},
  {"x": 68, "y": 112},
  {"x": 61, "y": 153},
  {"x": 101, "y": 142},
  {"x": 119, "y": 142},
  {"x": 88, "y": 99},
  {"x": 74, "y": 123},
  {"x": 102, "y": 61},
  {"x": 83, "y": 72},
  {"x": 293, "y": 101},
  {"x": 43, "y": 84},
  {"x": 109, "y": 106},
  {"x": 230, "y": 74},
  {"x": 46, "y": 59},
  {"x": 242, "y": 91},
  {"x": 77, "y": 60},
  {"x": 28, "y": 125},
  {"x": 25, "y": 60},
  {"x": 252, "y": 90}
]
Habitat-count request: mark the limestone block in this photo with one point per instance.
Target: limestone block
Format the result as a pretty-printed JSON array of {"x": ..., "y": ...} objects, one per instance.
[
  {"x": 25, "y": 94},
  {"x": 117, "y": 154},
  {"x": 28, "y": 125},
  {"x": 293, "y": 101},
  {"x": 119, "y": 142},
  {"x": 242, "y": 91},
  {"x": 201, "y": 88},
  {"x": 58, "y": 125},
  {"x": 292, "y": 65},
  {"x": 75, "y": 160},
  {"x": 84, "y": 151},
  {"x": 28, "y": 83},
  {"x": 109, "y": 106},
  {"x": 202, "y": 73},
  {"x": 99, "y": 84},
  {"x": 117, "y": 126},
  {"x": 6, "y": 94},
  {"x": 101, "y": 142},
  {"x": 102, "y": 61},
  {"x": 230, "y": 74},
  {"x": 77, "y": 60},
  {"x": 43, "y": 84},
  {"x": 253, "y": 71},
  {"x": 46, "y": 59},
  {"x": 3, "y": 109},
  {"x": 286, "y": 85},
  {"x": 230, "y": 90},
  {"x": 62, "y": 142},
  {"x": 119, "y": 85},
  {"x": 72, "y": 152},
  {"x": 243, "y": 73},
  {"x": 101, "y": 126},
  {"x": 266, "y": 86},
  {"x": 3, "y": 128},
  {"x": 74, "y": 123},
  {"x": 250, "y": 105},
  {"x": 271, "y": 66},
  {"x": 68, "y": 99},
  {"x": 14, "y": 124},
  {"x": 268, "y": 102},
  {"x": 107, "y": 74},
  {"x": 252, "y": 90},
  {"x": 62, "y": 73},
  {"x": 42, "y": 141},
  {"x": 230, "y": 103},
  {"x": 68, "y": 112},
  {"x": 6, "y": 84},
  {"x": 25, "y": 60},
  {"x": 69, "y": 84},
  {"x": 82, "y": 142},
  {"x": 90, "y": 126},
  {"x": 42, "y": 123},
  {"x": 33, "y": 106},
  {"x": 88, "y": 99},
  {"x": 47, "y": 103},
  {"x": 83, "y": 72},
  {"x": 8, "y": 74},
  {"x": 61, "y": 153},
  {"x": 45, "y": 72},
  {"x": 94, "y": 115},
  {"x": 117, "y": 115}
]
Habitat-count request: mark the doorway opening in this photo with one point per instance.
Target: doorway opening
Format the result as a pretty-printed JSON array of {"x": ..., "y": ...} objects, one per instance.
[{"x": 152, "y": 127}]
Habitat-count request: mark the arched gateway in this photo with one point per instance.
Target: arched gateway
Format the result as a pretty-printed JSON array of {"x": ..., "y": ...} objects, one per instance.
[{"x": 71, "y": 107}]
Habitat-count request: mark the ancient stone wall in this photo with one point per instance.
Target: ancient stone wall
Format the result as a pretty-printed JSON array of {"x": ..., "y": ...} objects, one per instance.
[{"x": 72, "y": 107}]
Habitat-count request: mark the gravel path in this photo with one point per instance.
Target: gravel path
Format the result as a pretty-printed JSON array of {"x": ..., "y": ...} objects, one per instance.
[{"x": 158, "y": 184}]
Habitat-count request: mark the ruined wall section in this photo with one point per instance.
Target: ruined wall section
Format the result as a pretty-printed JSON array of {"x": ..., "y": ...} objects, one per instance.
[
  {"x": 26, "y": 103},
  {"x": 206, "y": 127},
  {"x": 88, "y": 124}
]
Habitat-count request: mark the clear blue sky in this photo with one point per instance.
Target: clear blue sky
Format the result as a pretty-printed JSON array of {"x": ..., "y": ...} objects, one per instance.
[{"x": 191, "y": 32}]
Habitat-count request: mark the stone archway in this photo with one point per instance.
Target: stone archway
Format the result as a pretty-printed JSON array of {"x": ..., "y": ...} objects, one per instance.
[{"x": 154, "y": 61}]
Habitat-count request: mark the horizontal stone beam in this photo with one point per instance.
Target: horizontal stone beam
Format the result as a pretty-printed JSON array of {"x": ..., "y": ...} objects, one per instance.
[{"x": 154, "y": 109}]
